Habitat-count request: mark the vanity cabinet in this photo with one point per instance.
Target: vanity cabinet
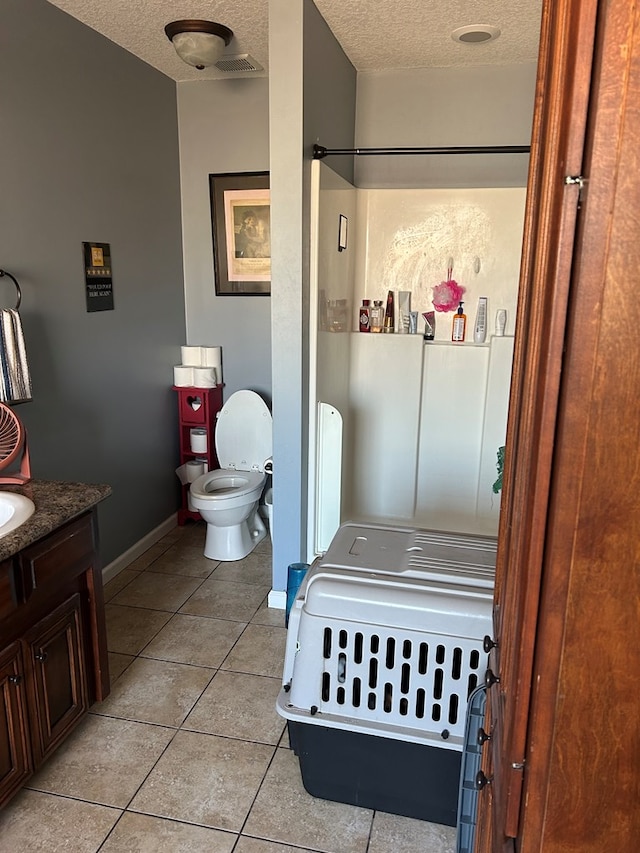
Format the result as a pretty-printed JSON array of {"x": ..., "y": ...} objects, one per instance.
[
  {"x": 15, "y": 754},
  {"x": 53, "y": 656}
]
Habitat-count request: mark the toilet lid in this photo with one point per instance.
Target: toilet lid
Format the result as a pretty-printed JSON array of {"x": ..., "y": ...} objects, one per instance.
[{"x": 243, "y": 432}]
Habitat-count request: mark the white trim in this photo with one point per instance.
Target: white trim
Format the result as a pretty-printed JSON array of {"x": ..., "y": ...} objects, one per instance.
[
  {"x": 277, "y": 599},
  {"x": 114, "y": 568}
]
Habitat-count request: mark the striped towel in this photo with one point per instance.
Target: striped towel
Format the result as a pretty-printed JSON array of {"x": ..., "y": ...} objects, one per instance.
[{"x": 15, "y": 380}]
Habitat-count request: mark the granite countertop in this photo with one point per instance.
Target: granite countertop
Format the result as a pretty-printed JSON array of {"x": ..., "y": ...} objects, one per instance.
[{"x": 56, "y": 503}]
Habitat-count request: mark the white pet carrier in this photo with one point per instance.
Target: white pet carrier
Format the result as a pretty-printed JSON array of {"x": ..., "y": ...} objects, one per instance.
[{"x": 385, "y": 641}]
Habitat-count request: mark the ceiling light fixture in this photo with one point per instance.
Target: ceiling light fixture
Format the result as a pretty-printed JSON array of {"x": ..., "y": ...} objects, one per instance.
[
  {"x": 198, "y": 43},
  {"x": 475, "y": 34}
]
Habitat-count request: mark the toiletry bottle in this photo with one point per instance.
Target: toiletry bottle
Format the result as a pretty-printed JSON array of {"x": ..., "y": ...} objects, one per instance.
[
  {"x": 377, "y": 315},
  {"x": 365, "y": 319},
  {"x": 480, "y": 328},
  {"x": 501, "y": 322},
  {"x": 390, "y": 314},
  {"x": 459, "y": 325}
]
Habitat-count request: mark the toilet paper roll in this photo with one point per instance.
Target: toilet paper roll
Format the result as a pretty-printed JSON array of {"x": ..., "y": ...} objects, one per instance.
[
  {"x": 192, "y": 356},
  {"x": 198, "y": 440},
  {"x": 205, "y": 464},
  {"x": 195, "y": 469},
  {"x": 204, "y": 377},
  {"x": 182, "y": 474},
  {"x": 212, "y": 357},
  {"x": 183, "y": 376}
]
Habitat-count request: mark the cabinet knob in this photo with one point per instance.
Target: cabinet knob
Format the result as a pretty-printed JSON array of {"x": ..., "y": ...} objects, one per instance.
[
  {"x": 488, "y": 643},
  {"x": 483, "y": 737},
  {"x": 491, "y": 678},
  {"x": 41, "y": 656},
  {"x": 481, "y": 780},
  {"x": 15, "y": 679}
]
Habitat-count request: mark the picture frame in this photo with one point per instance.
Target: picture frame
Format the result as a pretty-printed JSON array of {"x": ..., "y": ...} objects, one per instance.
[{"x": 241, "y": 229}]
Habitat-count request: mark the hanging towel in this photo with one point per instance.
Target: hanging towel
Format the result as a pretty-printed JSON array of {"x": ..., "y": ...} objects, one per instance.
[{"x": 15, "y": 380}]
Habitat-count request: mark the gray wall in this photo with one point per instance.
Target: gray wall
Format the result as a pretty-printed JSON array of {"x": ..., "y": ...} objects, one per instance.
[
  {"x": 224, "y": 127},
  {"x": 306, "y": 64},
  {"x": 89, "y": 152},
  {"x": 445, "y": 107}
]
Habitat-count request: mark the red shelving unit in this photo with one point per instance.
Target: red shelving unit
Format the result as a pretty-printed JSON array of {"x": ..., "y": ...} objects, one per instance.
[{"x": 197, "y": 408}]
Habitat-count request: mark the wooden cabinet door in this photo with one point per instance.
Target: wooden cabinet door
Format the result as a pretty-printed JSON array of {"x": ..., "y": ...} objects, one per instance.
[
  {"x": 58, "y": 690},
  {"x": 552, "y": 211},
  {"x": 15, "y": 755}
]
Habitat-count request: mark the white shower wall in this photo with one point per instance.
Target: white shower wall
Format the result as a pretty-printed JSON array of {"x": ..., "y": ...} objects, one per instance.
[{"x": 423, "y": 422}]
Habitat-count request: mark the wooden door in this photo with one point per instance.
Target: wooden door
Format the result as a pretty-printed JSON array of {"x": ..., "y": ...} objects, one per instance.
[
  {"x": 15, "y": 755},
  {"x": 563, "y": 714},
  {"x": 58, "y": 691}
]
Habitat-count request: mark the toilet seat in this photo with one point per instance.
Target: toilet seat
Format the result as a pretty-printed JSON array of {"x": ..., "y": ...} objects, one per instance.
[
  {"x": 243, "y": 435},
  {"x": 221, "y": 484}
]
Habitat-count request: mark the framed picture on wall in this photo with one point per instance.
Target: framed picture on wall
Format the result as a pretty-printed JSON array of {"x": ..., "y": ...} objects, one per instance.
[{"x": 241, "y": 224}]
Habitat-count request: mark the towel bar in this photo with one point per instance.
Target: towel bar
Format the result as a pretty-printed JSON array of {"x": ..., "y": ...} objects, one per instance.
[{"x": 3, "y": 273}]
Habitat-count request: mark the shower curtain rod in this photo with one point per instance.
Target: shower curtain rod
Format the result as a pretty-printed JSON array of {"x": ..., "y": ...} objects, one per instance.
[{"x": 320, "y": 152}]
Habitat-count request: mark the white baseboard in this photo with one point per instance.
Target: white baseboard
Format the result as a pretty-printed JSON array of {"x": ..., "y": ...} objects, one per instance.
[
  {"x": 277, "y": 599},
  {"x": 114, "y": 568}
]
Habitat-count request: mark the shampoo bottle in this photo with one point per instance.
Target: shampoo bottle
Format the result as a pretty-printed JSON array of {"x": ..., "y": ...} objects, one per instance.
[
  {"x": 459, "y": 325},
  {"x": 480, "y": 328}
]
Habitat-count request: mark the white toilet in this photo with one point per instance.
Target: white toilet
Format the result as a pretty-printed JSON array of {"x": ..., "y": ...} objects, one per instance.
[{"x": 228, "y": 497}]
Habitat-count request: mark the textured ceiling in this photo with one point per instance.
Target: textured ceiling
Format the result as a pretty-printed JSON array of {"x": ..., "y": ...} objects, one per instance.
[{"x": 376, "y": 35}]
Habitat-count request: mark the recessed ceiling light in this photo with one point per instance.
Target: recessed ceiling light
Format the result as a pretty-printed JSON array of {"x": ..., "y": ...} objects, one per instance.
[{"x": 475, "y": 34}]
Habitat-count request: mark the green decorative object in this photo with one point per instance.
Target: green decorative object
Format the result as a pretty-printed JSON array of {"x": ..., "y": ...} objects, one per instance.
[{"x": 497, "y": 486}]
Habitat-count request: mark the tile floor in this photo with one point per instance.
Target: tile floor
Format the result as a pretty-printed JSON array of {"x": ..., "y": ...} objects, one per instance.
[{"x": 187, "y": 754}]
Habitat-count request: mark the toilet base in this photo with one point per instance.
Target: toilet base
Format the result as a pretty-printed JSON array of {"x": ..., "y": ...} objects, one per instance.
[{"x": 236, "y": 541}]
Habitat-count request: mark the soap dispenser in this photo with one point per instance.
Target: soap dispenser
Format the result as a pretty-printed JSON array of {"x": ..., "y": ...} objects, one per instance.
[{"x": 459, "y": 325}]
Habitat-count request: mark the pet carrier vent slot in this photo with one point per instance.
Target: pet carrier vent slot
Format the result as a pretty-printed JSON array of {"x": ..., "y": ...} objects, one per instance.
[
  {"x": 342, "y": 639},
  {"x": 326, "y": 685},
  {"x": 391, "y": 653},
  {"x": 472, "y": 684},
  {"x": 437, "y": 684},
  {"x": 474, "y": 659},
  {"x": 357, "y": 691},
  {"x": 388, "y": 698},
  {"x": 342, "y": 667},
  {"x": 423, "y": 659},
  {"x": 371, "y": 703},
  {"x": 375, "y": 644},
  {"x": 435, "y": 713},
  {"x": 326, "y": 646},
  {"x": 340, "y": 696},
  {"x": 406, "y": 649},
  {"x": 358, "y": 648},
  {"x": 456, "y": 669},
  {"x": 421, "y": 697},
  {"x": 404, "y": 707},
  {"x": 373, "y": 673},
  {"x": 406, "y": 678},
  {"x": 453, "y": 709},
  {"x": 440, "y": 654}
]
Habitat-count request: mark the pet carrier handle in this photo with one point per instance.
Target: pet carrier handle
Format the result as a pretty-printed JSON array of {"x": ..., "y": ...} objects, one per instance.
[{"x": 488, "y": 643}]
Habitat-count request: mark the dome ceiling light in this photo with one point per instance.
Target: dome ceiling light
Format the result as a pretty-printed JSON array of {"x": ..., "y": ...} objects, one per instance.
[
  {"x": 475, "y": 34},
  {"x": 198, "y": 43}
]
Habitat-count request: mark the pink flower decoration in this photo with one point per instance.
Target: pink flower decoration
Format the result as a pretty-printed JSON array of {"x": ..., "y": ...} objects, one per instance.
[{"x": 447, "y": 295}]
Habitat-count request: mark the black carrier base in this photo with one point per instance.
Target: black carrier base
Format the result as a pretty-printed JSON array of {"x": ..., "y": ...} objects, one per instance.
[{"x": 408, "y": 779}]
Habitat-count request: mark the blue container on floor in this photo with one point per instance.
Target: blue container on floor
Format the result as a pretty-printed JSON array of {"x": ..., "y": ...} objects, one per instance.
[{"x": 295, "y": 576}]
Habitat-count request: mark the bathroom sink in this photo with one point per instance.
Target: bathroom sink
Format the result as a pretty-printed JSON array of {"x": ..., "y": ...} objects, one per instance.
[{"x": 14, "y": 510}]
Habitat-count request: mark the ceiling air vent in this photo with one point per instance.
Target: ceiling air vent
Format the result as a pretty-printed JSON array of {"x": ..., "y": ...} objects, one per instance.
[{"x": 239, "y": 63}]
